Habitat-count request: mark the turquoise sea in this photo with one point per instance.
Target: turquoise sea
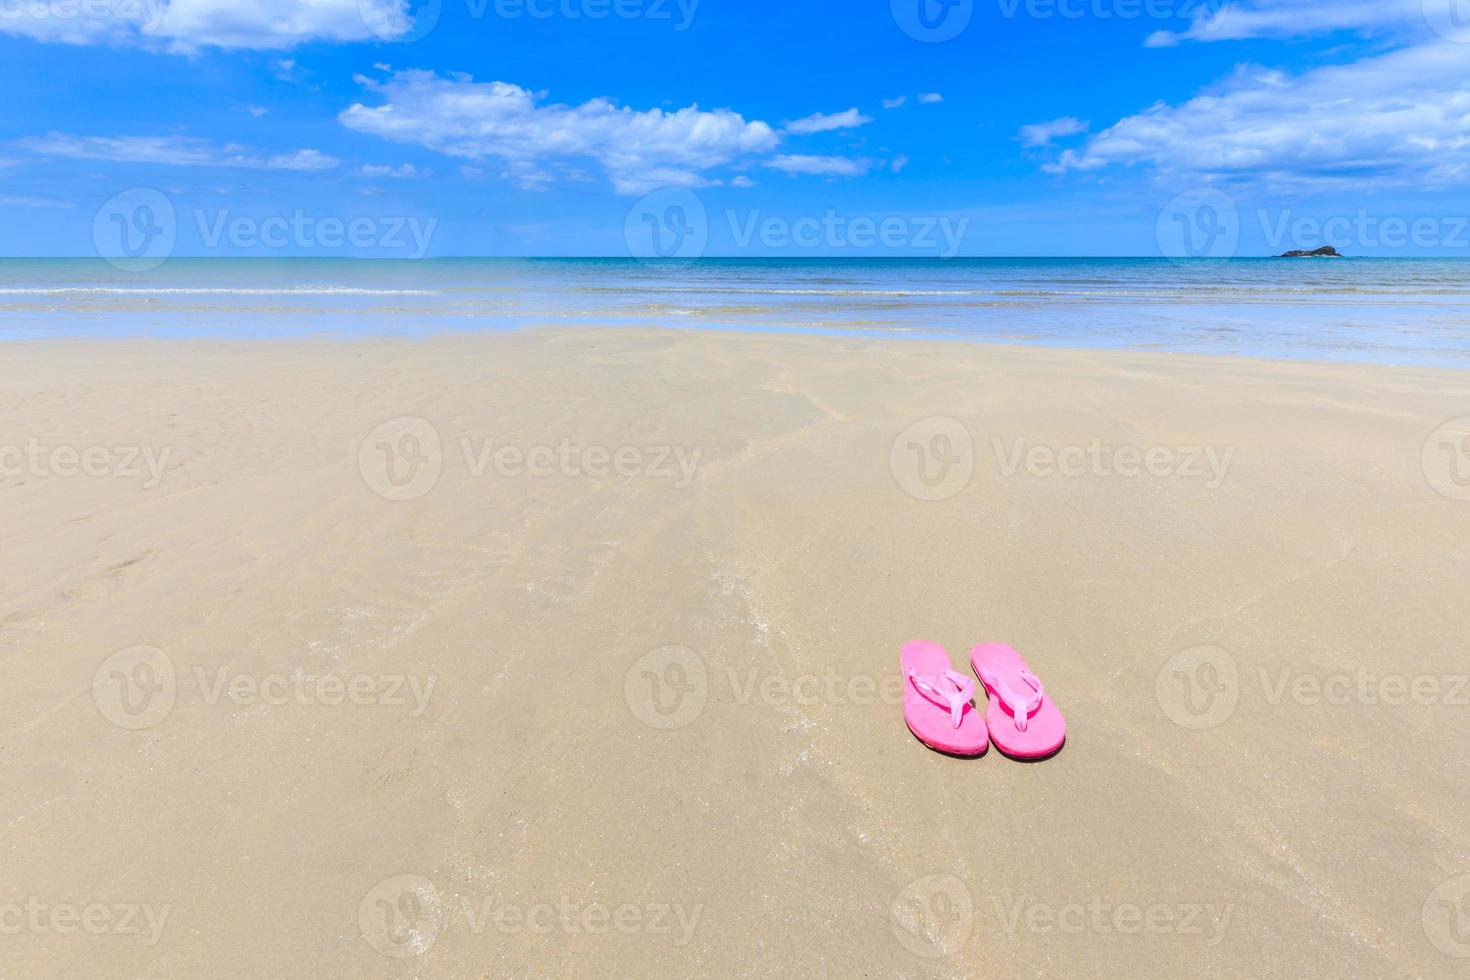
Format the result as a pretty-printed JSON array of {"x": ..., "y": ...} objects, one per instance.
[{"x": 1387, "y": 311}]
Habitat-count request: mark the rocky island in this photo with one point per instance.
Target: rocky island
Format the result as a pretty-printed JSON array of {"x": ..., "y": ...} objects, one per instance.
[{"x": 1325, "y": 252}]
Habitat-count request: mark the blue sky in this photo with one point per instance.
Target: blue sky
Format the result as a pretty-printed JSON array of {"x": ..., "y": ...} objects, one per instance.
[{"x": 541, "y": 127}]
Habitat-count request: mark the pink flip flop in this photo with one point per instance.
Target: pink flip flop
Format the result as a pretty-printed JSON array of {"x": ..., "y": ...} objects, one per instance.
[
  {"x": 1023, "y": 721},
  {"x": 937, "y": 702}
]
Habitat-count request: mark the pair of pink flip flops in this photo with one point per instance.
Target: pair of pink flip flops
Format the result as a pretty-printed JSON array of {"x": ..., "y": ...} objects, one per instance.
[{"x": 937, "y": 703}]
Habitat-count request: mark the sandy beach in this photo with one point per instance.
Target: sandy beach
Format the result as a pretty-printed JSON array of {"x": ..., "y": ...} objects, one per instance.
[{"x": 575, "y": 652}]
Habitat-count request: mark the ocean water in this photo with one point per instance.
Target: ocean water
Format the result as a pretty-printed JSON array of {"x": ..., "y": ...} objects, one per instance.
[{"x": 1386, "y": 311}]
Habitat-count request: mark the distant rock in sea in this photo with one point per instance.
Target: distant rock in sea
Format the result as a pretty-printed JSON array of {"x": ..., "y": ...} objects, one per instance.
[{"x": 1325, "y": 252}]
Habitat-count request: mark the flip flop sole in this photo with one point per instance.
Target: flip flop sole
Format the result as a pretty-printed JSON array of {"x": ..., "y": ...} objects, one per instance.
[
  {"x": 1046, "y": 731},
  {"x": 930, "y": 723}
]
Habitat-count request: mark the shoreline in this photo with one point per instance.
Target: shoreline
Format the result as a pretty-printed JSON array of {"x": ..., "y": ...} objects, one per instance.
[
  {"x": 1382, "y": 311},
  {"x": 472, "y": 336}
]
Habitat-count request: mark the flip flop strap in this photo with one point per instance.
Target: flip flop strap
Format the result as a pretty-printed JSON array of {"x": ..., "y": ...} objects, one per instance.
[
  {"x": 930, "y": 689},
  {"x": 1021, "y": 708}
]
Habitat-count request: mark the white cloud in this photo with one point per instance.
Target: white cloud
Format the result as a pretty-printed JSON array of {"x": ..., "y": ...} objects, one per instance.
[
  {"x": 820, "y": 166},
  {"x": 899, "y": 162},
  {"x": 54, "y": 23},
  {"x": 278, "y": 23},
  {"x": 257, "y": 111},
  {"x": 1043, "y": 133},
  {"x": 460, "y": 117},
  {"x": 820, "y": 123},
  {"x": 1400, "y": 116},
  {"x": 285, "y": 70},
  {"x": 301, "y": 160},
  {"x": 174, "y": 151},
  {"x": 1236, "y": 20},
  {"x": 33, "y": 202},
  {"x": 406, "y": 171},
  {"x": 187, "y": 25},
  {"x": 896, "y": 103},
  {"x": 930, "y": 98},
  {"x": 742, "y": 182}
]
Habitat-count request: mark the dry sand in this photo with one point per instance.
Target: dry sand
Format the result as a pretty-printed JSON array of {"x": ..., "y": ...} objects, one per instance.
[{"x": 632, "y": 725}]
